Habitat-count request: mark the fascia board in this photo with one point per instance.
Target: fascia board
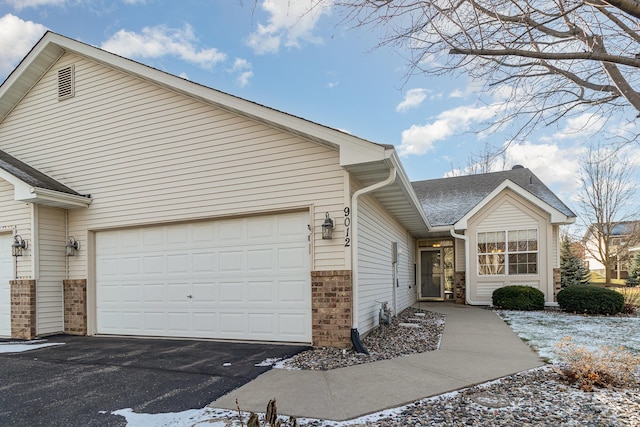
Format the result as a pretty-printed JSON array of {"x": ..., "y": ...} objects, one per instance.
[
  {"x": 69, "y": 201},
  {"x": 30, "y": 70},
  {"x": 557, "y": 217},
  {"x": 402, "y": 177}
]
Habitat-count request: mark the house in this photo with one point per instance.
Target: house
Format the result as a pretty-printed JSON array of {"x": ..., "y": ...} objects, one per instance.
[
  {"x": 624, "y": 236},
  {"x": 134, "y": 202},
  {"x": 488, "y": 231}
]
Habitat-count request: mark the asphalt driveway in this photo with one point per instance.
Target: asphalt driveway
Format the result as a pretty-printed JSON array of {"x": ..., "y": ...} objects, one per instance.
[{"x": 81, "y": 382}]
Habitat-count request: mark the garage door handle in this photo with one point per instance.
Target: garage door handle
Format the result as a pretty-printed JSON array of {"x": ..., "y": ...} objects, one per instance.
[{"x": 189, "y": 296}]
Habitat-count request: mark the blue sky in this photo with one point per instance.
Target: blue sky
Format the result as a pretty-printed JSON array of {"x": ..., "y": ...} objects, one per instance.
[{"x": 311, "y": 65}]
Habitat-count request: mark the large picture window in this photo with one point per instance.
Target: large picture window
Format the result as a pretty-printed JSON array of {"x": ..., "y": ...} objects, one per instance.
[{"x": 508, "y": 252}]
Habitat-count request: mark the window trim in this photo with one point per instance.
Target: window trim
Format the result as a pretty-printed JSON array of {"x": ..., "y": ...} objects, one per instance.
[{"x": 504, "y": 252}]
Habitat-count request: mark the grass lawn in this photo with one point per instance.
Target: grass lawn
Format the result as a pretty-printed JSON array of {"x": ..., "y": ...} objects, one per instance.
[{"x": 597, "y": 279}]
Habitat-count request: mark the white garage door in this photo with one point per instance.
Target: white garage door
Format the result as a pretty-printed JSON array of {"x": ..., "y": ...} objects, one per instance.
[
  {"x": 6, "y": 274},
  {"x": 244, "y": 278}
]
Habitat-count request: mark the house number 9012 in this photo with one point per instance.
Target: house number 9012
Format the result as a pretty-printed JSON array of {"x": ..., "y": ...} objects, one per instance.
[{"x": 347, "y": 227}]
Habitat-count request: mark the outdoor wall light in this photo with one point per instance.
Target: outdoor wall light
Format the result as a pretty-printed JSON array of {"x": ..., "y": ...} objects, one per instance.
[
  {"x": 327, "y": 227},
  {"x": 72, "y": 246},
  {"x": 18, "y": 245}
]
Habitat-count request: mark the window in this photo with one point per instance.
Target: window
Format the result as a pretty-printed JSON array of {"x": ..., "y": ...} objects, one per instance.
[{"x": 508, "y": 252}]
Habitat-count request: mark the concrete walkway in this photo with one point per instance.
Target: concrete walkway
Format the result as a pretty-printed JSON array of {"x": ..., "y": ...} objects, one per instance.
[{"x": 477, "y": 346}]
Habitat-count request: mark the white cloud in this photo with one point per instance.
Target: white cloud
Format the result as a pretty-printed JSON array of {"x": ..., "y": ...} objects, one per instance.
[
  {"x": 23, "y": 4},
  {"x": 289, "y": 23},
  {"x": 242, "y": 67},
  {"x": 581, "y": 127},
  {"x": 412, "y": 99},
  {"x": 155, "y": 42},
  {"x": 17, "y": 37},
  {"x": 420, "y": 139},
  {"x": 556, "y": 166}
]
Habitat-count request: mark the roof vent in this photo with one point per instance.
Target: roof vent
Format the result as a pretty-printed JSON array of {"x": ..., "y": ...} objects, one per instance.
[
  {"x": 65, "y": 83},
  {"x": 517, "y": 167}
]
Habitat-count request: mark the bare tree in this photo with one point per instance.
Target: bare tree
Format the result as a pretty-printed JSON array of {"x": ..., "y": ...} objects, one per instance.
[
  {"x": 604, "y": 203},
  {"x": 550, "y": 58}
]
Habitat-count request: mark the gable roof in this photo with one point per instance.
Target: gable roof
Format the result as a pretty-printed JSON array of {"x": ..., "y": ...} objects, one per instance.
[
  {"x": 367, "y": 161},
  {"x": 449, "y": 201},
  {"x": 31, "y": 185}
]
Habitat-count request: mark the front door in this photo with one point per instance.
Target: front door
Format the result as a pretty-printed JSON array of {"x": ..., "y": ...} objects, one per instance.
[{"x": 431, "y": 277}]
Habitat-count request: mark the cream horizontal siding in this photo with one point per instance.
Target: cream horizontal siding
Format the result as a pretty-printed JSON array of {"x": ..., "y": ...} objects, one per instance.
[
  {"x": 508, "y": 211},
  {"x": 507, "y": 216},
  {"x": 15, "y": 218},
  {"x": 148, "y": 155},
  {"x": 377, "y": 230},
  {"x": 51, "y": 270}
]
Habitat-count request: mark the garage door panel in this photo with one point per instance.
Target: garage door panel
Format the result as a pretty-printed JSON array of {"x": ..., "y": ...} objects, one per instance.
[
  {"x": 231, "y": 261},
  {"x": 261, "y": 260},
  {"x": 203, "y": 262},
  {"x": 293, "y": 292},
  {"x": 232, "y": 324},
  {"x": 292, "y": 325},
  {"x": 153, "y": 293},
  {"x": 153, "y": 238},
  {"x": 261, "y": 324},
  {"x": 203, "y": 294},
  {"x": 292, "y": 259},
  {"x": 238, "y": 278},
  {"x": 178, "y": 264}
]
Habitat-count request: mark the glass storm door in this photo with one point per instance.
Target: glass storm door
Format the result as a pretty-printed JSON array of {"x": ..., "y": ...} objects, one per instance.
[{"x": 431, "y": 276}]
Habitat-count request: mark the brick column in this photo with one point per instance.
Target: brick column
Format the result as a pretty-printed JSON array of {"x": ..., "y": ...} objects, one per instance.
[
  {"x": 23, "y": 309},
  {"x": 75, "y": 306},
  {"x": 557, "y": 283},
  {"x": 460, "y": 287},
  {"x": 331, "y": 293}
]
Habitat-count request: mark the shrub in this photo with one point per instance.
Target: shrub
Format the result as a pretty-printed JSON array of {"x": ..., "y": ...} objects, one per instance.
[
  {"x": 603, "y": 368},
  {"x": 590, "y": 300},
  {"x": 631, "y": 299},
  {"x": 518, "y": 298},
  {"x": 634, "y": 271}
]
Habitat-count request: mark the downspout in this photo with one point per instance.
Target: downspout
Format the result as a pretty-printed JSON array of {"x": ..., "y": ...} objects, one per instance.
[
  {"x": 355, "y": 335},
  {"x": 467, "y": 263}
]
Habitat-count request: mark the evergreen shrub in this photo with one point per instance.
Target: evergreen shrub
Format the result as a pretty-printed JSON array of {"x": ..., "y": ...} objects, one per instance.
[
  {"x": 590, "y": 300},
  {"x": 518, "y": 298}
]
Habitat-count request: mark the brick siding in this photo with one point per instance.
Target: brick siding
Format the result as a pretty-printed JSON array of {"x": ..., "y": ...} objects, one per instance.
[
  {"x": 75, "y": 306},
  {"x": 460, "y": 287},
  {"x": 331, "y": 293},
  {"x": 23, "y": 309}
]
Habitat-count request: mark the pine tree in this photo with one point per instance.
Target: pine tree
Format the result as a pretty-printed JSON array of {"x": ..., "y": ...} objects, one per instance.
[
  {"x": 572, "y": 269},
  {"x": 634, "y": 271}
]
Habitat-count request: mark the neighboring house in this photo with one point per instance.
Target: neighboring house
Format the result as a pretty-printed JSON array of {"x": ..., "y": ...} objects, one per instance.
[
  {"x": 134, "y": 202},
  {"x": 491, "y": 230},
  {"x": 625, "y": 236}
]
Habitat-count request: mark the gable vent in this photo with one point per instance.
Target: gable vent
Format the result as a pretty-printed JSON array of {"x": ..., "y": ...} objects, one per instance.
[{"x": 65, "y": 83}]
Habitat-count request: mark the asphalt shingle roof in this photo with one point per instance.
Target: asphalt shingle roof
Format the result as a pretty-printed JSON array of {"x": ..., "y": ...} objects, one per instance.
[
  {"x": 446, "y": 200},
  {"x": 31, "y": 176}
]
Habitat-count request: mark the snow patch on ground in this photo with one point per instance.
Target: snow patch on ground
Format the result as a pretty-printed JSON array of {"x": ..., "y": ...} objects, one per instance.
[
  {"x": 20, "y": 346},
  {"x": 273, "y": 361},
  {"x": 190, "y": 418},
  {"x": 543, "y": 330}
]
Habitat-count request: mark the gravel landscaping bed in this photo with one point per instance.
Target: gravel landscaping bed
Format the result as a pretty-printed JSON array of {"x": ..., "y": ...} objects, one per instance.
[{"x": 412, "y": 331}]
